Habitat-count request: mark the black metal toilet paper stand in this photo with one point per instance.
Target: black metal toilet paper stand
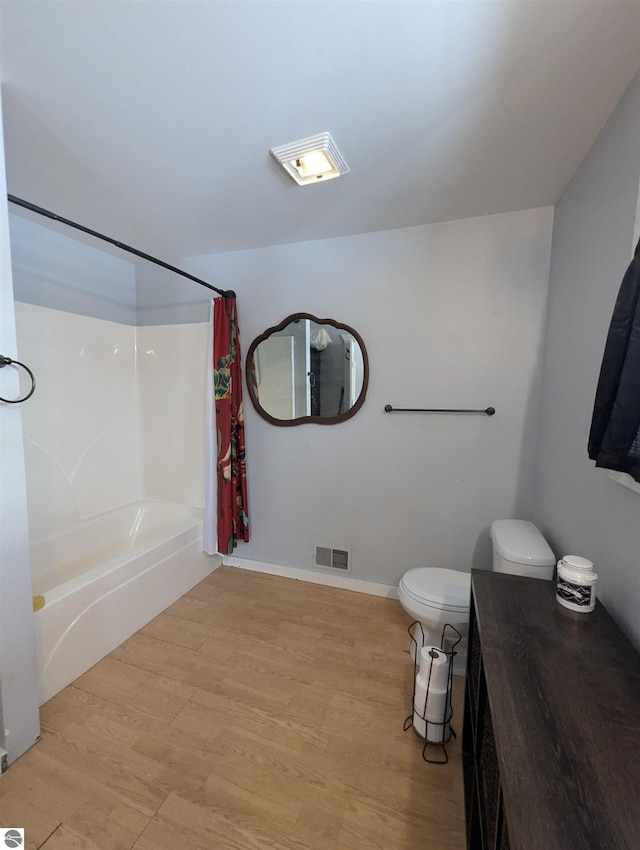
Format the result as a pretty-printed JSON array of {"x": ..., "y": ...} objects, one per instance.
[{"x": 449, "y": 640}]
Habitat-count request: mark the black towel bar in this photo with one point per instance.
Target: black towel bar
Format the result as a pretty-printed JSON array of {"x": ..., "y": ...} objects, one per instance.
[{"x": 488, "y": 411}]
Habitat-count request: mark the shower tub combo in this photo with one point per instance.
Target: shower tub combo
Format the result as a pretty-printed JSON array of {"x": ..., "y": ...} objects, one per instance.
[{"x": 98, "y": 583}]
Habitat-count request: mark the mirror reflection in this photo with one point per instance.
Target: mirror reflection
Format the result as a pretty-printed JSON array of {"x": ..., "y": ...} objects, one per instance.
[{"x": 307, "y": 370}]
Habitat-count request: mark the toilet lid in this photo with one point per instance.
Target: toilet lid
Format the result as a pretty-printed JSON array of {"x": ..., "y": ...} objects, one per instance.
[{"x": 446, "y": 589}]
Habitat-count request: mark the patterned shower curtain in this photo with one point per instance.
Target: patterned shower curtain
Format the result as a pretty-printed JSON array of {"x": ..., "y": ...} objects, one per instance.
[{"x": 232, "y": 511}]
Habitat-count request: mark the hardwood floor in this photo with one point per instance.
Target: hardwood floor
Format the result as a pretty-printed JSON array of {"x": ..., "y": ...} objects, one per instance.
[{"x": 256, "y": 712}]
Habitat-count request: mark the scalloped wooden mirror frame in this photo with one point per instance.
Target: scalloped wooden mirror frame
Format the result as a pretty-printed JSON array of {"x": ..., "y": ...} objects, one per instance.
[{"x": 301, "y": 420}]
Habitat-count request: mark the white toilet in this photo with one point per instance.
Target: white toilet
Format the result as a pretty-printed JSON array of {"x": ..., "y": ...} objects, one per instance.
[{"x": 436, "y": 596}]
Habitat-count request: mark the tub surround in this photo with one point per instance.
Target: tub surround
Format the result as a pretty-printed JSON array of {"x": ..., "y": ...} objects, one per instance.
[
  {"x": 114, "y": 442},
  {"x": 118, "y": 415},
  {"x": 82, "y": 428}
]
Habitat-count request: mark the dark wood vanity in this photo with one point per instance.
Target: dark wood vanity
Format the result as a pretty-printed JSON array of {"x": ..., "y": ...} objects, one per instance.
[{"x": 551, "y": 737}]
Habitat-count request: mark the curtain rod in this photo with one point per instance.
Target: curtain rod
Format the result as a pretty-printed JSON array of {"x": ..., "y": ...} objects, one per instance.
[{"x": 12, "y": 198}]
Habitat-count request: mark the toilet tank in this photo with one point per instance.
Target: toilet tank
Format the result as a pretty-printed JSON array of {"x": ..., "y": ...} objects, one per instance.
[{"x": 519, "y": 548}]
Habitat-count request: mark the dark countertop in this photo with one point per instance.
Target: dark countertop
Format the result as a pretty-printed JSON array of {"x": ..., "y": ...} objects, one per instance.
[{"x": 564, "y": 693}]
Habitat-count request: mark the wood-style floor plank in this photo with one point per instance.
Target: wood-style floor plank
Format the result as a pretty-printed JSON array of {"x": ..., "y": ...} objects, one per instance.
[{"x": 256, "y": 713}]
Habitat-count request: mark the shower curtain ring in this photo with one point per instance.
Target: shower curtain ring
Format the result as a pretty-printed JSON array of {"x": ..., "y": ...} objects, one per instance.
[{"x": 7, "y": 361}]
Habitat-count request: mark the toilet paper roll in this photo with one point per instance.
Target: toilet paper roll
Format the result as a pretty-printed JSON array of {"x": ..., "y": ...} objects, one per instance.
[
  {"x": 432, "y": 732},
  {"x": 432, "y": 706},
  {"x": 431, "y": 712},
  {"x": 434, "y": 667}
]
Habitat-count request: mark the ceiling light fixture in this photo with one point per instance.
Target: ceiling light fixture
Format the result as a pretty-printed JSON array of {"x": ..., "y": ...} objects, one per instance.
[{"x": 311, "y": 160}]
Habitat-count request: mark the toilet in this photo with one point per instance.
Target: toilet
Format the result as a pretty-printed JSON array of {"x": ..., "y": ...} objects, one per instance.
[{"x": 436, "y": 596}]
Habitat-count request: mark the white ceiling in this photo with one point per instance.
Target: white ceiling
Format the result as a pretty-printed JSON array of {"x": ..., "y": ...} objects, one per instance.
[{"x": 152, "y": 121}]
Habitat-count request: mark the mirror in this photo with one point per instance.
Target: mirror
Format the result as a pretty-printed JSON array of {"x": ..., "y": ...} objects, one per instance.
[{"x": 307, "y": 370}]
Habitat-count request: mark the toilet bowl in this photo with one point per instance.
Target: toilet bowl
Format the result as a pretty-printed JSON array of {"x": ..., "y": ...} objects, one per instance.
[{"x": 435, "y": 597}]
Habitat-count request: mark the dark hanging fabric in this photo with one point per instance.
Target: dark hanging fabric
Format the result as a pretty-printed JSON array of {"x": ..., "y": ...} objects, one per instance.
[{"x": 614, "y": 440}]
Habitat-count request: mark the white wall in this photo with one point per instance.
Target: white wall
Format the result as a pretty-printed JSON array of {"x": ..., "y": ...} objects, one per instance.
[
  {"x": 452, "y": 316},
  {"x": 19, "y": 724},
  {"x": 578, "y": 506},
  {"x": 58, "y": 268}
]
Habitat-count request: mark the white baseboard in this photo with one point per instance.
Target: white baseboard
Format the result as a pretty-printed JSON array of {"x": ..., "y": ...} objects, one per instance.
[{"x": 345, "y": 582}]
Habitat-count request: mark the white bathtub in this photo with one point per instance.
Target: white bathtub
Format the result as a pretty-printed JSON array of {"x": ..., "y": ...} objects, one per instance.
[{"x": 106, "y": 578}]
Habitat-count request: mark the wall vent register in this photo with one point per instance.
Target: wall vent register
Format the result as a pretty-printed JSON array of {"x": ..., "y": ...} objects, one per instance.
[{"x": 332, "y": 559}]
